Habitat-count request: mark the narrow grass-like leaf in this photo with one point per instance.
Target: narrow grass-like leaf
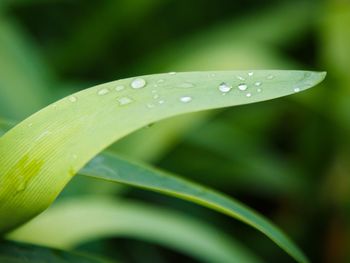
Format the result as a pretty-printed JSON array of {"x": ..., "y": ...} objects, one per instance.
[
  {"x": 109, "y": 167},
  {"x": 41, "y": 154},
  {"x": 61, "y": 226},
  {"x": 14, "y": 252}
]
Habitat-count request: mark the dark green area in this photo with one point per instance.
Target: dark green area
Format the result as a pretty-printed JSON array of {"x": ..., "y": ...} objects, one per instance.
[{"x": 14, "y": 252}]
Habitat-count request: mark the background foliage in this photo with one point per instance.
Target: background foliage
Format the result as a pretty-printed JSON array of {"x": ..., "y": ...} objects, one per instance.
[{"x": 287, "y": 158}]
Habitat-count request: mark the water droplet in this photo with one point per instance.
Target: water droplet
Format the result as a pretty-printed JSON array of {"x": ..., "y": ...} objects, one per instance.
[
  {"x": 242, "y": 86},
  {"x": 150, "y": 105},
  {"x": 296, "y": 90},
  {"x": 119, "y": 87},
  {"x": 154, "y": 91},
  {"x": 124, "y": 100},
  {"x": 72, "y": 98},
  {"x": 224, "y": 87},
  {"x": 185, "y": 85},
  {"x": 270, "y": 76},
  {"x": 240, "y": 78},
  {"x": 138, "y": 83},
  {"x": 156, "y": 96},
  {"x": 103, "y": 92},
  {"x": 250, "y": 74},
  {"x": 258, "y": 83},
  {"x": 160, "y": 80},
  {"x": 186, "y": 99},
  {"x": 258, "y": 90},
  {"x": 161, "y": 101},
  {"x": 172, "y": 73},
  {"x": 248, "y": 94}
]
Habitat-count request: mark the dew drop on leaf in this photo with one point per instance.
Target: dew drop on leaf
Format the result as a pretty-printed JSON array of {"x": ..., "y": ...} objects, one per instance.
[
  {"x": 296, "y": 90},
  {"x": 258, "y": 83},
  {"x": 103, "y": 92},
  {"x": 138, "y": 83},
  {"x": 248, "y": 94},
  {"x": 242, "y": 86},
  {"x": 270, "y": 76},
  {"x": 224, "y": 87},
  {"x": 124, "y": 100},
  {"x": 250, "y": 74},
  {"x": 186, "y": 99}
]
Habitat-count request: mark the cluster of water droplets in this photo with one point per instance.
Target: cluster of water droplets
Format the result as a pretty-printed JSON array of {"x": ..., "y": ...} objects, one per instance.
[{"x": 245, "y": 83}]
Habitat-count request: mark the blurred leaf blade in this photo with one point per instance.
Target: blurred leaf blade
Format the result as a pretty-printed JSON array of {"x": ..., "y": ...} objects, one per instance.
[
  {"x": 111, "y": 168},
  {"x": 106, "y": 217}
]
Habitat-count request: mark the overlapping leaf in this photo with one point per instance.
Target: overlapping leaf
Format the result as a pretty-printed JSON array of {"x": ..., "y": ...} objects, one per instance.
[{"x": 41, "y": 154}]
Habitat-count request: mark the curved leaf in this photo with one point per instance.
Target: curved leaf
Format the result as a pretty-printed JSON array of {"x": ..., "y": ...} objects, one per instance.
[
  {"x": 109, "y": 167},
  {"x": 61, "y": 226},
  {"x": 41, "y": 154}
]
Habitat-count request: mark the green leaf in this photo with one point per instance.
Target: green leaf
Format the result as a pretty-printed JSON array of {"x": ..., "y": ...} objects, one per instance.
[
  {"x": 61, "y": 226},
  {"x": 111, "y": 168},
  {"x": 14, "y": 252},
  {"x": 41, "y": 154}
]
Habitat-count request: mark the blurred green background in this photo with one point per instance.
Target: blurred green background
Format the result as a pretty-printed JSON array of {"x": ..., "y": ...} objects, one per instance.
[{"x": 287, "y": 158}]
